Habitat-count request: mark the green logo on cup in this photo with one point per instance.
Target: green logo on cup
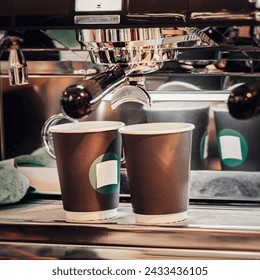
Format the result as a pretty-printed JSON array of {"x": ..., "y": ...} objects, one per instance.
[
  {"x": 232, "y": 146},
  {"x": 104, "y": 174}
]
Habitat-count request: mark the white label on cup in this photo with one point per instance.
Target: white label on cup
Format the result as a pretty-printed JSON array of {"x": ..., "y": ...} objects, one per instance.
[
  {"x": 106, "y": 173},
  {"x": 230, "y": 147}
]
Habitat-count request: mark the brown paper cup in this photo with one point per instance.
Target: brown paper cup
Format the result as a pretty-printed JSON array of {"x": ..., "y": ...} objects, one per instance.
[
  {"x": 158, "y": 159},
  {"x": 88, "y": 158}
]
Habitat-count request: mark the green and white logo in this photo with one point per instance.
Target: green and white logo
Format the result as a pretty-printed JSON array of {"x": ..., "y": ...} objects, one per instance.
[
  {"x": 104, "y": 173},
  {"x": 232, "y": 146}
]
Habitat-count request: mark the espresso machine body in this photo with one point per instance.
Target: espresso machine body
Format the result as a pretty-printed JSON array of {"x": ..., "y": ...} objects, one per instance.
[
  {"x": 175, "y": 46},
  {"x": 185, "y": 61},
  {"x": 124, "y": 13},
  {"x": 171, "y": 43}
]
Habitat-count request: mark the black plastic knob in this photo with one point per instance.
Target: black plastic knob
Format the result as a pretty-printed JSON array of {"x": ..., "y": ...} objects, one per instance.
[{"x": 244, "y": 101}]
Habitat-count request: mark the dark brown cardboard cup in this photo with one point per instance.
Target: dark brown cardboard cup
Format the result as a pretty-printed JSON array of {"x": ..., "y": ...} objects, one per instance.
[
  {"x": 158, "y": 159},
  {"x": 88, "y": 158}
]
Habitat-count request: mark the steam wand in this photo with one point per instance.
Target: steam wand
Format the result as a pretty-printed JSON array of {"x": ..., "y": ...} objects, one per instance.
[{"x": 18, "y": 70}]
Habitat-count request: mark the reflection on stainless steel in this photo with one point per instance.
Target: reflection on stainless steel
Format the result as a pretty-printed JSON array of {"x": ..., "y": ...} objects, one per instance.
[
  {"x": 46, "y": 136},
  {"x": 18, "y": 75},
  {"x": 207, "y": 16},
  {"x": 130, "y": 93},
  {"x": 27, "y": 108},
  {"x": 232, "y": 186},
  {"x": 141, "y": 37},
  {"x": 177, "y": 85},
  {"x": 108, "y": 90},
  {"x": 181, "y": 18},
  {"x": 220, "y": 232},
  {"x": 133, "y": 91},
  {"x": 225, "y": 185},
  {"x": 141, "y": 49},
  {"x": 97, "y": 19},
  {"x": 18, "y": 71},
  {"x": 31, "y": 251}
]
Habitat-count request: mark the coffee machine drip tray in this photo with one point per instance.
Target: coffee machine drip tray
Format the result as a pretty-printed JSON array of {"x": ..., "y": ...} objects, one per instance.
[{"x": 33, "y": 227}]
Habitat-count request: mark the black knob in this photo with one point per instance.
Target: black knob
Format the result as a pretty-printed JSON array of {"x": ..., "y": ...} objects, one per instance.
[
  {"x": 80, "y": 100},
  {"x": 244, "y": 101}
]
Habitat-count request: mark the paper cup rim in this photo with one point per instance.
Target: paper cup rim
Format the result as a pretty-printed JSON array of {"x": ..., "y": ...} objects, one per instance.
[
  {"x": 87, "y": 126},
  {"x": 157, "y": 128}
]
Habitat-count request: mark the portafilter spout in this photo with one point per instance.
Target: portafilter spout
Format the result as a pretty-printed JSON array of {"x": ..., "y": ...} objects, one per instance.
[{"x": 133, "y": 91}]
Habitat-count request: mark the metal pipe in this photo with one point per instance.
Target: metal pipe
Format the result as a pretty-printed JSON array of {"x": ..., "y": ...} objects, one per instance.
[
  {"x": 18, "y": 75},
  {"x": 18, "y": 71}
]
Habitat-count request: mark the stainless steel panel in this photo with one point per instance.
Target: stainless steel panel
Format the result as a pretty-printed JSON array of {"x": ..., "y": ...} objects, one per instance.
[
  {"x": 26, "y": 108},
  {"x": 217, "y": 229},
  {"x": 32, "y": 251}
]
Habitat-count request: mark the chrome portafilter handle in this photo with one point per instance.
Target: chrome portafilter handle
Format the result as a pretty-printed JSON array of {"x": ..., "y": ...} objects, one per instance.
[{"x": 79, "y": 100}]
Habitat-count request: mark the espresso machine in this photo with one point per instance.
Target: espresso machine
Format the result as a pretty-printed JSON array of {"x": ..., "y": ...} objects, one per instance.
[
  {"x": 77, "y": 60},
  {"x": 74, "y": 61},
  {"x": 132, "y": 46}
]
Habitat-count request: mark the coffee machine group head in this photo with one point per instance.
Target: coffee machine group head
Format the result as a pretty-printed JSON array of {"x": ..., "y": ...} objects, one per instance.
[{"x": 129, "y": 54}]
